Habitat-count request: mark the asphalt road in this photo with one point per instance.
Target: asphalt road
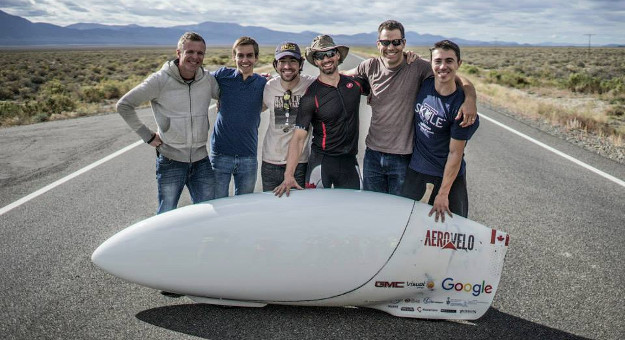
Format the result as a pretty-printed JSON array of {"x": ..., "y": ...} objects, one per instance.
[{"x": 562, "y": 279}]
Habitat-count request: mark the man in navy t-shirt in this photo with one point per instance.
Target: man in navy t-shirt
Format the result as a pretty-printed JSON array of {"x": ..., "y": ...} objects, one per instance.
[
  {"x": 438, "y": 152},
  {"x": 234, "y": 142}
]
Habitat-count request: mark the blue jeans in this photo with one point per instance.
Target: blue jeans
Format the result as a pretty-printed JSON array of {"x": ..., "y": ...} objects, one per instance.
[
  {"x": 384, "y": 172},
  {"x": 243, "y": 169},
  {"x": 172, "y": 176}
]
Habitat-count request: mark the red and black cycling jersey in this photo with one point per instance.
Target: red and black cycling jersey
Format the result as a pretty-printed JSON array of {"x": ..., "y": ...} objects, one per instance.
[{"x": 333, "y": 113}]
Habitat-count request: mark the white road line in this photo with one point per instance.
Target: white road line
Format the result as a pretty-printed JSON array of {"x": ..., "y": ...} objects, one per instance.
[
  {"x": 66, "y": 178},
  {"x": 557, "y": 152}
]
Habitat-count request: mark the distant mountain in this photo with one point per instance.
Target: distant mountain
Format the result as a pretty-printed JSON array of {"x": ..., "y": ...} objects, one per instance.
[{"x": 17, "y": 31}]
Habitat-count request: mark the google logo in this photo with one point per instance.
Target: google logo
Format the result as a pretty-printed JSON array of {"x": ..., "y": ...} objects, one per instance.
[{"x": 475, "y": 289}]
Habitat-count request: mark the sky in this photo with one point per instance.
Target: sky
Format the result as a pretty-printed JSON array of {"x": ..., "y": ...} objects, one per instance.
[{"x": 532, "y": 21}]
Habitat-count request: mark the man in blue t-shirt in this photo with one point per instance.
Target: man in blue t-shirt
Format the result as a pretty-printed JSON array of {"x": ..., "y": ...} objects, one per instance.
[
  {"x": 438, "y": 152},
  {"x": 235, "y": 137}
]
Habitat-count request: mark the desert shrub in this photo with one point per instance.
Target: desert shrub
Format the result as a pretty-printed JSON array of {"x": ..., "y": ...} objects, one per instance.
[
  {"x": 9, "y": 109},
  {"x": 91, "y": 94},
  {"x": 111, "y": 89},
  {"x": 57, "y": 103},
  {"x": 55, "y": 86},
  {"x": 37, "y": 79},
  {"x": 470, "y": 69},
  {"x": 583, "y": 83},
  {"x": 5, "y": 93},
  {"x": 107, "y": 89},
  {"x": 12, "y": 76},
  {"x": 615, "y": 86},
  {"x": 616, "y": 111},
  {"x": 508, "y": 78}
]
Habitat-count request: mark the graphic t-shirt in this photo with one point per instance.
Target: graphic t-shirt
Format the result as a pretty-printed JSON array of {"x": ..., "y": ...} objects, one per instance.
[
  {"x": 435, "y": 125},
  {"x": 283, "y": 110}
]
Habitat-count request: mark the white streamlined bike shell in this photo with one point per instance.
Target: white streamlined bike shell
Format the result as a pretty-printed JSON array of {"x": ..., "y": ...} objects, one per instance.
[{"x": 317, "y": 247}]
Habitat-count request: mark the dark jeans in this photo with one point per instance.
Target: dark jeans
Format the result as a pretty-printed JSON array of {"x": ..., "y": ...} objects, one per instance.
[
  {"x": 384, "y": 172},
  {"x": 172, "y": 176},
  {"x": 272, "y": 175},
  {"x": 415, "y": 186}
]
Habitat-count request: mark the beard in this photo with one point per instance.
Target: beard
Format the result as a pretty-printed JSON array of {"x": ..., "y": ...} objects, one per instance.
[
  {"x": 330, "y": 70},
  {"x": 290, "y": 77}
]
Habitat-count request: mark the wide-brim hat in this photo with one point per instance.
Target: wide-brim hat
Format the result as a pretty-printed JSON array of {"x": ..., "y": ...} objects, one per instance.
[{"x": 324, "y": 43}]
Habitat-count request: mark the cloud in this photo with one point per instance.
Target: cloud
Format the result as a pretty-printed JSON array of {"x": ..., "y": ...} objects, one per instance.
[{"x": 528, "y": 21}]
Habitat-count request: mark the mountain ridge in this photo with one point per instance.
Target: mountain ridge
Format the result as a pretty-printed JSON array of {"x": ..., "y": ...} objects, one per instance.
[{"x": 18, "y": 31}]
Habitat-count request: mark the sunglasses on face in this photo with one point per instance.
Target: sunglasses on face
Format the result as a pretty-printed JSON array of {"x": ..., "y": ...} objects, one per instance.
[
  {"x": 395, "y": 42},
  {"x": 320, "y": 55}
]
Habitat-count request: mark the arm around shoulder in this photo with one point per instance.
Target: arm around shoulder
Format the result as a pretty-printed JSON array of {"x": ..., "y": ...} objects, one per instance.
[
  {"x": 214, "y": 86},
  {"x": 468, "y": 110}
]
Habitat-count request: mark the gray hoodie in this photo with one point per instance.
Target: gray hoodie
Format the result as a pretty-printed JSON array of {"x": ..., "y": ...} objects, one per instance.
[{"x": 180, "y": 109}]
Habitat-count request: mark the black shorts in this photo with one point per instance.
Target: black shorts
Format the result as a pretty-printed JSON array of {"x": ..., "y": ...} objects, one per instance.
[
  {"x": 327, "y": 171},
  {"x": 415, "y": 187}
]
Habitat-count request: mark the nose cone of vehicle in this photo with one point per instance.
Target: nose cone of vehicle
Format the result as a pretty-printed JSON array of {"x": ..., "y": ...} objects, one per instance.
[{"x": 309, "y": 246}]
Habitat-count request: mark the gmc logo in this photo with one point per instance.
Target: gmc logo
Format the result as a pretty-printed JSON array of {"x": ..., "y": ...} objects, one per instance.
[{"x": 386, "y": 284}]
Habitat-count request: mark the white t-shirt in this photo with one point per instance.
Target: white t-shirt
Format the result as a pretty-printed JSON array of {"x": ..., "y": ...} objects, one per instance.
[{"x": 282, "y": 120}]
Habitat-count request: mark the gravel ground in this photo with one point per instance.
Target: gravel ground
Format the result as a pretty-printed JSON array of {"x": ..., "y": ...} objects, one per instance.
[{"x": 592, "y": 142}]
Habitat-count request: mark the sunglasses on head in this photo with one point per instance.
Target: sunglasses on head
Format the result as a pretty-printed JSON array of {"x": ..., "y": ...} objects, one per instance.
[
  {"x": 395, "y": 42},
  {"x": 320, "y": 55}
]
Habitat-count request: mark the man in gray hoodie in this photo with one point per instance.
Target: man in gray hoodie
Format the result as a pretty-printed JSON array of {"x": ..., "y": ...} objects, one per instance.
[{"x": 180, "y": 94}]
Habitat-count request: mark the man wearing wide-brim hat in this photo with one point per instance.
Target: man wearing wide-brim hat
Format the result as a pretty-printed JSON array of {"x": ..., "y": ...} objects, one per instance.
[
  {"x": 323, "y": 43},
  {"x": 331, "y": 106}
]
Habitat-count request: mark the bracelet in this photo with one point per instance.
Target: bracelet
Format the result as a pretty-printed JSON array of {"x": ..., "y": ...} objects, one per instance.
[{"x": 151, "y": 139}]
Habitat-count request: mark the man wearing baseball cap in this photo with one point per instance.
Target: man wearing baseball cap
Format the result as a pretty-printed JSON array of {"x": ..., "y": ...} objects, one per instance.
[
  {"x": 282, "y": 95},
  {"x": 331, "y": 106}
]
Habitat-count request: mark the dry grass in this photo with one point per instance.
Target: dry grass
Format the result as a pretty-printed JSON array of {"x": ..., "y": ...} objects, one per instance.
[
  {"x": 47, "y": 84},
  {"x": 569, "y": 87}
]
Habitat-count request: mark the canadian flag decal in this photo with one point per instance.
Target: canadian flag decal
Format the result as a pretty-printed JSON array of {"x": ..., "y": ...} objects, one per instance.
[{"x": 499, "y": 237}]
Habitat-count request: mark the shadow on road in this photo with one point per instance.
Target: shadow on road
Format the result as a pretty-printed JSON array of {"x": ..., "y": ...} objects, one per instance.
[{"x": 289, "y": 322}]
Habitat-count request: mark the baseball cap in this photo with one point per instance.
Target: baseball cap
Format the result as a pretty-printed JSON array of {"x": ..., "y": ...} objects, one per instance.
[{"x": 288, "y": 48}]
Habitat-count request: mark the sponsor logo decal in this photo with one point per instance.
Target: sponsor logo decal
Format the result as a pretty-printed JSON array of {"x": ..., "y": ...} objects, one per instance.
[
  {"x": 468, "y": 311},
  {"x": 428, "y": 300},
  {"x": 475, "y": 289},
  {"x": 448, "y": 311},
  {"x": 405, "y": 284},
  {"x": 387, "y": 284},
  {"x": 456, "y": 302},
  {"x": 429, "y": 310},
  {"x": 407, "y": 309},
  {"x": 448, "y": 240}
]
